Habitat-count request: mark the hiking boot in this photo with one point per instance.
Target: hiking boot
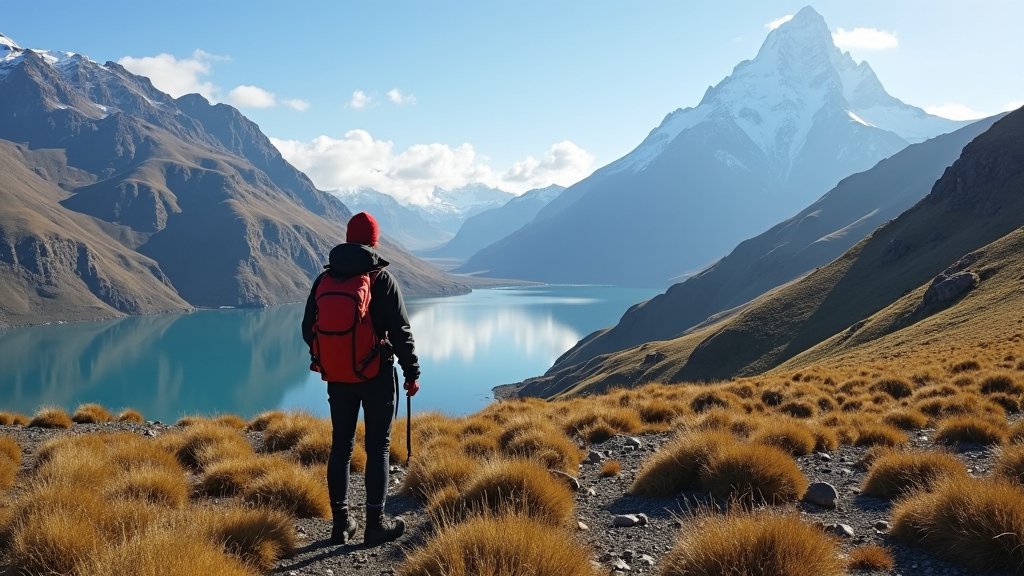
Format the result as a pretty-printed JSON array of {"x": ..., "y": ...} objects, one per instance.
[
  {"x": 380, "y": 530},
  {"x": 344, "y": 528}
]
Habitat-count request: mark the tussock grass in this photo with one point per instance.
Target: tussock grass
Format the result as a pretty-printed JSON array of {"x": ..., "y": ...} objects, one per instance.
[
  {"x": 203, "y": 444},
  {"x": 753, "y": 474},
  {"x": 870, "y": 558},
  {"x": 261, "y": 421},
  {"x": 52, "y": 542},
  {"x": 657, "y": 412},
  {"x": 50, "y": 417},
  {"x": 10, "y": 450},
  {"x": 677, "y": 464},
  {"x": 92, "y": 414},
  {"x": 428, "y": 475},
  {"x": 10, "y": 462},
  {"x": 536, "y": 438},
  {"x": 231, "y": 421},
  {"x": 131, "y": 416},
  {"x": 285, "y": 433},
  {"x": 965, "y": 366},
  {"x": 798, "y": 409},
  {"x": 896, "y": 473},
  {"x": 507, "y": 546},
  {"x": 869, "y": 434},
  {"x": 259, "y": 537},
  {"x": 972, "y": 429},
  {"x": 791, "y": 436},
  {"x": 1010, "y": 403},
  {"x": 974, "y": 522},
  {"x": 749, "y": 544},
  {"x": 1001, "y": 383},
  {"x": 227, "y": 478},
  {"x": 825, "y": 439},
  {"x": 1010, "y": 464},
  {"x": 711, "y": 399},
  {"x": 165, "y": 552},
  {"x": 292, "y": 490},
  {"x": 154, "y": 485},
  {"x": 740, "y": 425},
  {"x": 906, "y": 419},
  {"x": 479, "y": 445},
  {"x": 13, "y": 419},
  {"x": 893, "y": 387},
  {"x": 516, "y": 487},
  {"x": 611, "y": 468}
]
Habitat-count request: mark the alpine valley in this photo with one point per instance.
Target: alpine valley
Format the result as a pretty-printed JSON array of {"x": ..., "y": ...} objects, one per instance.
[{"x": 117, "y": 199}]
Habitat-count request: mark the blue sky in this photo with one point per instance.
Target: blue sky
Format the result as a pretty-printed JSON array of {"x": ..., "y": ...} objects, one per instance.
[{"x": 412, "y": 94}]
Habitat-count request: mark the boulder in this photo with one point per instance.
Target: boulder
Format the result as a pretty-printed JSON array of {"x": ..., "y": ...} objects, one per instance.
[
  {"x": 946, "y": 289},
  {"x": 822, "y": 494}
]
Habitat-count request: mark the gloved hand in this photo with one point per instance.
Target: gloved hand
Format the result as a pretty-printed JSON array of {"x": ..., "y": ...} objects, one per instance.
[{"x": 411, "y": 387}]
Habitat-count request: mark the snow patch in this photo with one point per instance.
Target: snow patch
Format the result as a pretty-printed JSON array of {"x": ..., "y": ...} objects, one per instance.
[{"x": 858, "y": 119}]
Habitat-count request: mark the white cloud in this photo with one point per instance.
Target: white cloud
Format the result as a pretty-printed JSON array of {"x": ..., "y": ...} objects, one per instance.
[
  {"x": 177, "y": 77},
  {"x": 778, "y": 22},
  {"x": 247, "y": 96},
  {"x": 864, "y": 39},
  {"x": 564, "y": 163},
  {"x": 296, "y": 104},
  {"x": 396, "y": 97},
  {"x": 359, "y": 161},
  {"x": 955, "y": 111},
  {"x": 359, "y": 100}
]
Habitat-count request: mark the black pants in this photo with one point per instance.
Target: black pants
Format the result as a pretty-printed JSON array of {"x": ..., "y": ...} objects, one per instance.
[{"x": 377, "y": 397}]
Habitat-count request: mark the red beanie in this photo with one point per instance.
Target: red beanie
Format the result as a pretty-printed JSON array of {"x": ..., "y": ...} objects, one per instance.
[{"x": 363, "y": 229}]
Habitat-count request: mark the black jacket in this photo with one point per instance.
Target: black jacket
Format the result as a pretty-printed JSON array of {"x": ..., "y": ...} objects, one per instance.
[{"x": 390, "y": 319}]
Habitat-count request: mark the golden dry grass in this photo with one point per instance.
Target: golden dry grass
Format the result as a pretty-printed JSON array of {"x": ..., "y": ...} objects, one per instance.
[
  {"x": 1010, "y": 464},
  {"x": 50, "y": 417},
  {"x": 259, "y": 537},
  {"x": 131, "y": 416},
  {"x": 203, "y": 444},
  {"x": 750, "y": 544},
  {"x": 906, "y": 419},
  {"x": 893, "y": 387},
  {"x": 428, "y": 475},
  {"x": 292, "y": 490},
  {"x": 535, "y": 437},
  {"x": 896, "y": 473},
  {"x": 974, "y": 522},
  {"x": 677, "y": 464},
  {"x": 959, "y": 429},
  {"x": 91, "y": 414},
  {"x": 789, "y": 435},
  {"x": 13, "y": 419},
  {"x": 261, "y": 421},
  {"x": 52, "y": 541},
  {"x": 10, "y": 450},
  {"x": 870, "y": 558},
  {"x": 506, "y": 546},
  {"x": 164, "y": 552},
  {"x": 879, "y": 435},
  {"x": 154, "y": 485},
  {"x": 517, "y": 487},
  {"x": 752, "y": 474},
  {"x": 228, "y": 477},
  {"x": 610, "y": 468},
  {"x": 286, "y": 432}
]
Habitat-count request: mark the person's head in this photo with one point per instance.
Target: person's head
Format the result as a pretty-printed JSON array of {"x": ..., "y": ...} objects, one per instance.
[{"x": 363, "y": 229}]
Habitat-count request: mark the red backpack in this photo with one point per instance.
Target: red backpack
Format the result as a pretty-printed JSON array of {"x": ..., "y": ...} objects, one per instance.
[{"x": 345, "y": 346}]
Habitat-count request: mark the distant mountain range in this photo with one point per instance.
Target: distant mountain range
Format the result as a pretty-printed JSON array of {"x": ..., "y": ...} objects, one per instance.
[
  {"x": 761, "y": 145},
  {"x": 421, "y": 227},
  {"x": 947, "y": 270},
  {"x": 485, "y": 228},
  {"x": 117, "y": 199}
]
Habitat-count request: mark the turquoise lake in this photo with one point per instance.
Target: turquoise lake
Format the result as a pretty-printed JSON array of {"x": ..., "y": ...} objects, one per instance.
[{"x": 247, "y": 361}]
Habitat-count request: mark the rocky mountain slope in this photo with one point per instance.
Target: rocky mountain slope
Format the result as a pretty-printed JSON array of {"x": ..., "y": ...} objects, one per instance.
[
  {"x": 814, "y": 237},
  {"x": 951, "y": 258},
  {"x": 761, "y": 145},
  {"x": 175, "y": 202}
]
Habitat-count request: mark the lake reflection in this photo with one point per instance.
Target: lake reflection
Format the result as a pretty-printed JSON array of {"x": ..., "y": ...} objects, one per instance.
[{"x": 247, "y": 361}]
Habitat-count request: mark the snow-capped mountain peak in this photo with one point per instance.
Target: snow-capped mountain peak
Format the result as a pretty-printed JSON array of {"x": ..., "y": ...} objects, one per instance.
[{"x": 797, "y": 78}]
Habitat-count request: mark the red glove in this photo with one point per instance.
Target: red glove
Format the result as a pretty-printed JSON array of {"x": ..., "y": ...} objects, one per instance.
[{"x": 411, "y": 387}]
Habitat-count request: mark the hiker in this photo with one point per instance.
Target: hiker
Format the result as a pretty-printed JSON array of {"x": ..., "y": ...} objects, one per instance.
[{"x": 356, "y": 272}]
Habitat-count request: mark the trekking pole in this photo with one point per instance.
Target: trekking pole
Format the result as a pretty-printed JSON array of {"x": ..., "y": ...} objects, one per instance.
[{"x": 408, "y": 429}]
